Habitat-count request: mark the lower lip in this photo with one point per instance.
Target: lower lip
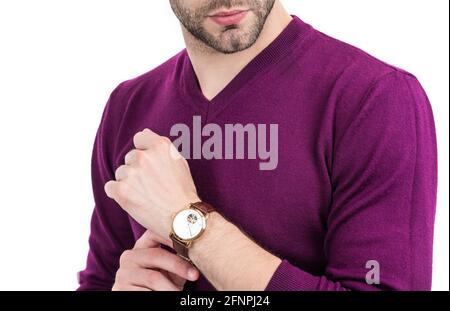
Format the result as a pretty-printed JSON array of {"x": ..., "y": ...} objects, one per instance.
[{"x": 232, "y": 19}]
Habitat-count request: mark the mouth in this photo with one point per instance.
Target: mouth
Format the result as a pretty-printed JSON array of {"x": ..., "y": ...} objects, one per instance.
[{"x": 227, "y": 18}]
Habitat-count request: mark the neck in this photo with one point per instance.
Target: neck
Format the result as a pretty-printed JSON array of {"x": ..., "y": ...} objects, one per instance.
[{"x": 214, "y": 70}]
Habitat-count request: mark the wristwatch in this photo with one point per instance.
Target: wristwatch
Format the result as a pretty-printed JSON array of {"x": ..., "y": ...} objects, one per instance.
[{"x": 188, "y": 225}]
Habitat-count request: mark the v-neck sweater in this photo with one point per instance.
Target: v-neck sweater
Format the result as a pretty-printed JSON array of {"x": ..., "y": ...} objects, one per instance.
[{"x": 349, "y": 203}]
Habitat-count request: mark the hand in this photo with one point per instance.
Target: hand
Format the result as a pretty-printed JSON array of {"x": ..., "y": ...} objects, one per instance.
[
  {"x": 154, "y": 183},
  {"x": 149, "y": 267}
]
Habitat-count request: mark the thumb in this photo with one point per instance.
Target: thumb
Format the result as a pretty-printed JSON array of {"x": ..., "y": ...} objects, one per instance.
[{"x": 150, "y": 239}]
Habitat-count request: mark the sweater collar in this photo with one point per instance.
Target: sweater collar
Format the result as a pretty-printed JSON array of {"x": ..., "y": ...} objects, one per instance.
[{"x": 277, "y": 50}]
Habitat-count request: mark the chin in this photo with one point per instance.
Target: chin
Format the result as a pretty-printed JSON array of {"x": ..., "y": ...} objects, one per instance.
[{"x": 235, "y": 39}]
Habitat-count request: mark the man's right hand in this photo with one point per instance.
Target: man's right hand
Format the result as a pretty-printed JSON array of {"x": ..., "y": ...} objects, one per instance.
[{"x": 149, "y": 267}]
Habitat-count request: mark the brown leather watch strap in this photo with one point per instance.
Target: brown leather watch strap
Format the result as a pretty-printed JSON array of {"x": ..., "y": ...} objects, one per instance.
[
  {"x": 204, "y": 207},
  {"x": 180, "y": 247}
]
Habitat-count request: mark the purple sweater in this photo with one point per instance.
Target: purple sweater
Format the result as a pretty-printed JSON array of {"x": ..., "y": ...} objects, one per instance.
[{"x": 355, "y": 178}]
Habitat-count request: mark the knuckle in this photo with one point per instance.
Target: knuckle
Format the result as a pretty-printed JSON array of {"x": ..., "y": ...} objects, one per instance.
[
  {"x": 136, "y": 136},
  {"x": 151, "y": 257},
  {"x": 118, "y": 172},
  {"x": 161, "y": 144},
  {"x": 185, "y": 162},
  {"x": 107, "y": 187},
  {"x": 130, "y": 171},
  {"x": 140, "y": 157},
  {"x": 149, "y": 235},
  {"x": 131, "y": 155},
  {"x": 154, "y": 257},
  {"x": 154, "y": 277},
  {"x": 125, "y": 257},
  {"x": 123, "y": 190}
]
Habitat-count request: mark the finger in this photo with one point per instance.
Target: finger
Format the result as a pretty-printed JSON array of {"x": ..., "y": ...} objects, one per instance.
[
  {"x": 130, "y": 156},
  {"x": 152, "y": 279},
  {"x": 111, "y": 188},
  {"x": 122, "y": 172},
  {"x": 143, "y": 140},
  {"x": 150, "y": 239},
  {"x": 130, "y": 288},
  {"x": 147, "y": 240},
  {"x": 177, "y": 280},
  {"x": 161, "y": 240},
  {"x": 162, "y": 259},
  {"x": 174, "y": 153},
  {"x": 167, "y": 139},
  {"x": 118, "y": 191}
]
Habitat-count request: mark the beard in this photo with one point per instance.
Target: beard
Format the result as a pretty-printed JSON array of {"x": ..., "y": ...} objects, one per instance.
[{"x": 227, "y": 39}]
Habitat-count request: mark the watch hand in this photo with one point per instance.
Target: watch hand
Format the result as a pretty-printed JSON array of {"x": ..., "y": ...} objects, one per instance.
[{"x": 189, "y": 227}]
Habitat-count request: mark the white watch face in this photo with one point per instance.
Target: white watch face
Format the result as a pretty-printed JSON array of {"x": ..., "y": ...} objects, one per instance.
[{"x": 188, "y": 224}]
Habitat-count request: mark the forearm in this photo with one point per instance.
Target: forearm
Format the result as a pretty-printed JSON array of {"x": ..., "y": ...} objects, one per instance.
[{"x": 224, "y": 253}]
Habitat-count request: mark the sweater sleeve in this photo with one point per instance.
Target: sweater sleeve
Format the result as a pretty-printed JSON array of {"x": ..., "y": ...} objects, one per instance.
[
  {"x": 111, "y": 232},
  {"x": 384, "y": 179}
]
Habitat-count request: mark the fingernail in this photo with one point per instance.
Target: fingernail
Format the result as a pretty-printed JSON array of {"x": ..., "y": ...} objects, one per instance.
[{"x": 192, "y": 273}]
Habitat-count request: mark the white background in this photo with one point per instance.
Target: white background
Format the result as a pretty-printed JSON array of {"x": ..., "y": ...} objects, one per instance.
[{"x": 59, "y": 61}]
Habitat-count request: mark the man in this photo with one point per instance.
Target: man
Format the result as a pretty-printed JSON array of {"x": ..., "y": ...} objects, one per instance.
[{"x": 264, "y": 156}]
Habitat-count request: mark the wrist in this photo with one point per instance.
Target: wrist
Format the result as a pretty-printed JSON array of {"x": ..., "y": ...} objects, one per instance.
[{"x": 216, "y": 228}]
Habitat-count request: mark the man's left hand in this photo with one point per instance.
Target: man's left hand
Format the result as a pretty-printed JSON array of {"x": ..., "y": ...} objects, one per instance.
[{"x": 154, "y": 183}]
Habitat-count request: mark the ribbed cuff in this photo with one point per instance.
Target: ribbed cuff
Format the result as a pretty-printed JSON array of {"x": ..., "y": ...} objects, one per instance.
[{"x": 288, "y": 277}]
